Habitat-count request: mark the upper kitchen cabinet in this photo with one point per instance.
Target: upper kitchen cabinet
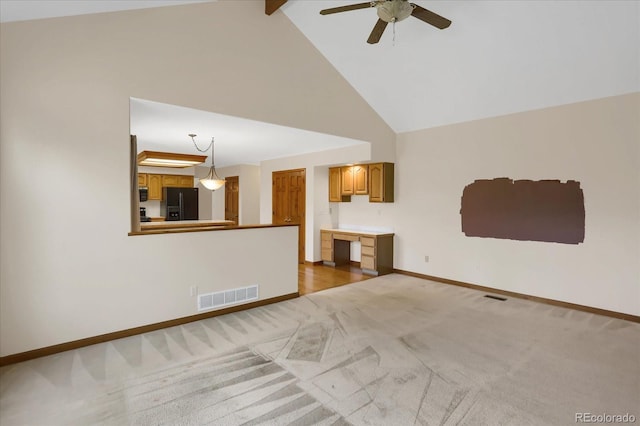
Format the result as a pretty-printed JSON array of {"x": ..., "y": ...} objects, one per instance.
[
  {"x": 335, "y": 186},
  {"x": 354, "y": 180},
  {"x": 154, "y": 182},
  {"x": 346, "y": 180},
  {"x": 375, "y": 180},
  {"x": 360, "y": 179},
  {"x": 181, "y": 181},
  {"x": 381, "y": 183}
]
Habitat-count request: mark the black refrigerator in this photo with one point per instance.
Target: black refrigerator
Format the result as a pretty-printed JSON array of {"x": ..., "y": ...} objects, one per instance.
[{"x": 179, "y": 203}]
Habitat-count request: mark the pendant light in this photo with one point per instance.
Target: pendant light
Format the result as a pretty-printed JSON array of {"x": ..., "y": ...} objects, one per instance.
[{"x": 211, "y": 181}]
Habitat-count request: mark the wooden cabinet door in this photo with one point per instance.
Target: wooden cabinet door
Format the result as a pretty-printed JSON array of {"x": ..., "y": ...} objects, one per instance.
[
  {"x": 381, "y": 183},
  {"x": 154, "y": 182},
  {"x": 142, "y": 179},
  {"x": 185, "y": 181},
  {"x": 360, "y": 179},
  {"x": 335, "y": 189},
  {"x": 231, "y": 197},
  {"x": 170, "y": 180},
  {"x": 346, "y": 180},
  {"x": 288, "y": 203}
]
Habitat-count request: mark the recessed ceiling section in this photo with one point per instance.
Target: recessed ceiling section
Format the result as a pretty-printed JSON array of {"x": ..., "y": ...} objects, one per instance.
[{"x": 162, "y": 127}]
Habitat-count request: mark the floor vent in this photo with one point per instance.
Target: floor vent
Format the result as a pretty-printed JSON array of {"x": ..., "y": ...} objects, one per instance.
[
  {"x": 502, "y": 299},
  {"x": 221, "y": 299}
]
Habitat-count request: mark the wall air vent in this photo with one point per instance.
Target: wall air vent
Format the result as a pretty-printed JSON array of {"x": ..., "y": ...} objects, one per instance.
[{"x": 221, "y": 299}]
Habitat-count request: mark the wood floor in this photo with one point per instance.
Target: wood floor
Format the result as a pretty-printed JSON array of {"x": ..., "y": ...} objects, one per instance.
[{"x": 312, "y": 278}]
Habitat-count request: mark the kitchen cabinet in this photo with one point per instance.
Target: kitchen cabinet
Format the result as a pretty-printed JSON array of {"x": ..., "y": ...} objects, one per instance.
[
  {"x": 346, "y": 180},
  {"x": 335, "y": 186},
  {"x": 154, "y": 183},
  {"x": 381, "y": 183},
  {"x": 376, "y": 249},
  {"x": 360, "y": 179},
  {"x": 180, "y": 181},
  {"x": 353, "y": 180},
  {"x": 185, "y": 181},
  {"x": 375, "y": 180},
  {"x": 169, "y": 180}
]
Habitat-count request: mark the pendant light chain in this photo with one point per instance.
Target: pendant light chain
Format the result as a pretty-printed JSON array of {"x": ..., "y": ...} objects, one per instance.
[
  {"x": 211, "y": 181},
  {"x": 196, "y": 145}
]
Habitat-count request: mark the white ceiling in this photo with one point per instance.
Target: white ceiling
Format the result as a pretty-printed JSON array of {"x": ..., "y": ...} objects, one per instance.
[{"x": 497, "y": 57}]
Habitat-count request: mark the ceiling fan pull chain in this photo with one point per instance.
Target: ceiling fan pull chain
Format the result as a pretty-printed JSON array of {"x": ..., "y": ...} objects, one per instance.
[{"x": 394, "y": 32}]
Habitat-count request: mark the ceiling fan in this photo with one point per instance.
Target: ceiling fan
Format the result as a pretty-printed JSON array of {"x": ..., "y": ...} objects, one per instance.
[{"x": 392, "y": 11}]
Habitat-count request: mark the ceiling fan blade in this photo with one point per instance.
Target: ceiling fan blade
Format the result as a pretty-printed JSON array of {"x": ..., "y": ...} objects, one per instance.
[
  {"x": 378, "y": 29},
  {"x": 348, "y": 8},
  {"x": 429, "y": 17},
  {"x": 270, "y": 6}
]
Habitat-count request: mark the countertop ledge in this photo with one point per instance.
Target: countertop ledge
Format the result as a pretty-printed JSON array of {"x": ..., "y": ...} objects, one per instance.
[
  {"x": 202, "y": 227},
  {"x": 356, "y": 232},
  {"x": 173, "y": 224}
]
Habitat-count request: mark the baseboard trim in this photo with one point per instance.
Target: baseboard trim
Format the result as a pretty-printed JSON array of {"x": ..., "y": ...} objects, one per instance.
[
  {"x": 316, "y": 263},
  {"x": 76, "y": 344},
  {"x": 592, "y": 310}
]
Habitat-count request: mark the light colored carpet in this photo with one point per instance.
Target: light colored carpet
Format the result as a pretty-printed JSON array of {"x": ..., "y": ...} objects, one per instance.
[{"x": 394, "y": 350}]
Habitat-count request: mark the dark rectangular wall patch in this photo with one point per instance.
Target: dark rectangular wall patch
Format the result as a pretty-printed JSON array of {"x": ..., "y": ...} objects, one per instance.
[{"x": 525, "y": 210}]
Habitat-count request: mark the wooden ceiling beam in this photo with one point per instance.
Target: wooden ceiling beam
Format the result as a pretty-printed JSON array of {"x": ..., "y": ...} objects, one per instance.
[{"x": 271, "y": 6}]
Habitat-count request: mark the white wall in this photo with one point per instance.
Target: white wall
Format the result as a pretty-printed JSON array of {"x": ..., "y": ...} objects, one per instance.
[
  {"x": 205, "y": 197},
  {"x": 249, "y": 199},
  {"x": 68, "y": 270},
  {"x": 596, "y": 143}
]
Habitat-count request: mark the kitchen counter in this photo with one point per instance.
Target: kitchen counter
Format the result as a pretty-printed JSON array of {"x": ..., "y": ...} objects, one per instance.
[{"x": 184, "y": 224}]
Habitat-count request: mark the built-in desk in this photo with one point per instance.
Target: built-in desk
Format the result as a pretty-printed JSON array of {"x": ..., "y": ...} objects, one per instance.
[{"x": 376, "y": 249}]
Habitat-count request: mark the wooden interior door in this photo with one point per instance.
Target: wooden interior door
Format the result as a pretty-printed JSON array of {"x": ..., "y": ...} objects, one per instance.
[
  {"x": 288, "y": 202},
  {"x": 231, "y": 196}
]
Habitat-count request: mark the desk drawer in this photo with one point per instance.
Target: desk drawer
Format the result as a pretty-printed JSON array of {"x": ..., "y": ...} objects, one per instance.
[
  {"x": 346, "y": 237},
  {"x": 368, "y": 241},
  {"x": 368, "y": 262},
  {"x": 368, "y": 251},
  {"x": 326, "y": 236},
  {"x": 327, "y": 244}
]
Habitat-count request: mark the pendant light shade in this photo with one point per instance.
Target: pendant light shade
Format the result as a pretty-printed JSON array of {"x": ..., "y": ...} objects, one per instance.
[{"x": 212, "y": 181}]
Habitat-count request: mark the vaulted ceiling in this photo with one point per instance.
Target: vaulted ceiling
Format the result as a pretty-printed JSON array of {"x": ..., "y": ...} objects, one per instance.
[{"x": 497, "y": 57}]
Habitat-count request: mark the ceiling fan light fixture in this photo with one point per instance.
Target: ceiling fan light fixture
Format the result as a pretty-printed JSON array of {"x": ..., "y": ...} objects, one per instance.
[{"x": 394, "y": 10}]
